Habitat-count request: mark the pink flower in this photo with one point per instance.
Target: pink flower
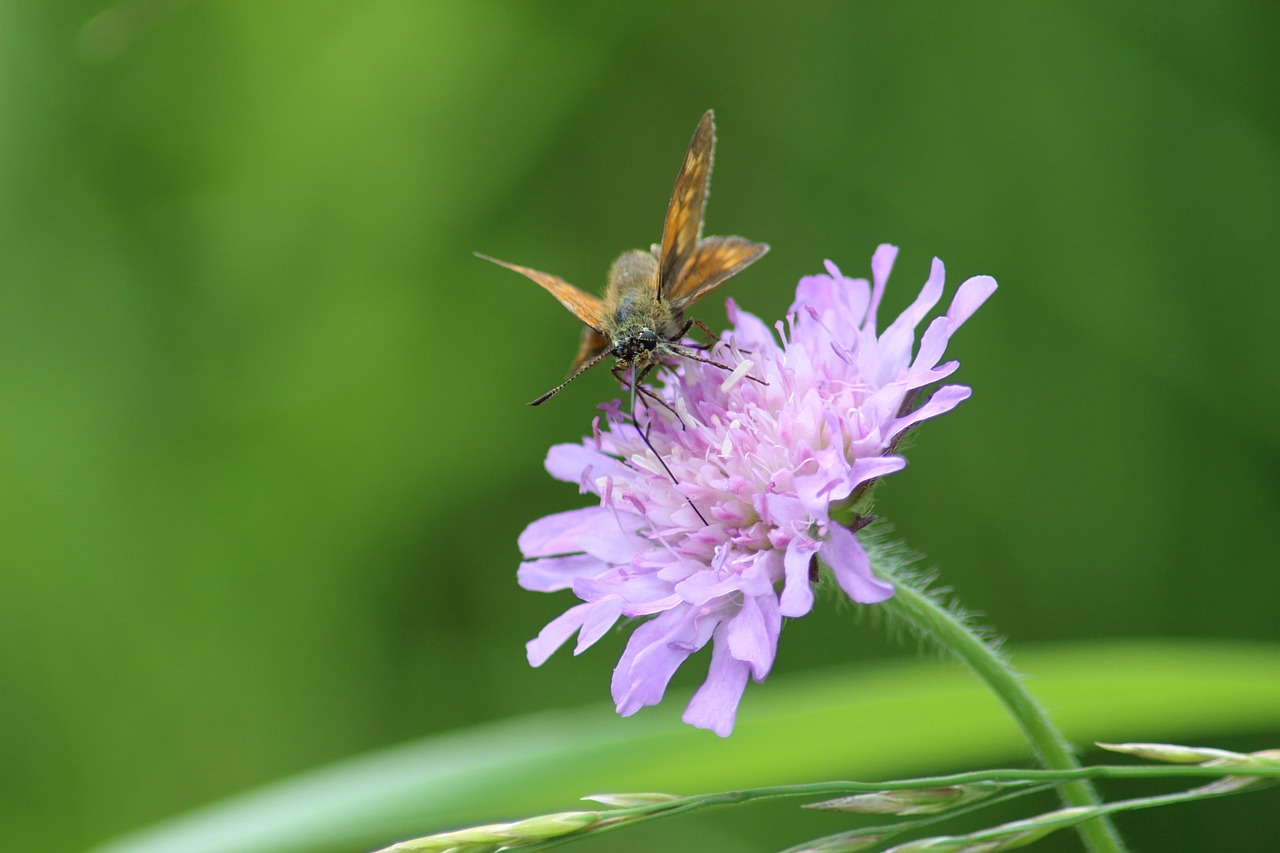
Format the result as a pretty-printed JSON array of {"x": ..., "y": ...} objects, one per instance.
[{"x": 717, "y": 540}]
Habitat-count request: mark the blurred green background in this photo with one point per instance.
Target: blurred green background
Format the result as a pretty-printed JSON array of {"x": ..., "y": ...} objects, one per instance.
[{"x": 264, "y": 448}]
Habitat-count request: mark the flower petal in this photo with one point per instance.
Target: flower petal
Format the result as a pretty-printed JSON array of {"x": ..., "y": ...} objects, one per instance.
[
  {"x": 797, "y": 593},
  {"x": 598, "y": 621},
  {"x": 550, "y": 574},
  {"x": 895, "y": 344},
  {"x": 881, "y": 266},
  {"x": 943, "y": 400},
  {"x": 752, "y": 634},
  {"x": 969, "y": 298},
  {"x": 655, "y": 651},
  {"x": 874, "y": 467},
  {"x": 715, "y": 704},
  {"x": 567, "y": 462},
  {"x": 749, "y": 331},
  {"x": 933, "y": 343},
  {"x": 610, "y": 542},
  {"x": 843, "y": 553},
  {"x": 553, "y": 635},
  {"x": 559, "y": 533}
]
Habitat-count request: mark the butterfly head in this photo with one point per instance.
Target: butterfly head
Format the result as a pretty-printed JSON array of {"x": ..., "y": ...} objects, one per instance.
[{"x": 641, "y": 346}]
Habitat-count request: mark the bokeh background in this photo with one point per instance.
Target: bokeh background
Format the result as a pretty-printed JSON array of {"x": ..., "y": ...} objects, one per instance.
[{"x": 264, "y": 448}]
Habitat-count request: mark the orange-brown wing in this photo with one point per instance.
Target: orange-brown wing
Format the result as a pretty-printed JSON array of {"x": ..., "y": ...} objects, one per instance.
[
  {"x": 593, "y": 343},
  {"x": 587, "y": 308},
  {"x": 714, "y": 261},
  {"x": 683, "y": 227}
]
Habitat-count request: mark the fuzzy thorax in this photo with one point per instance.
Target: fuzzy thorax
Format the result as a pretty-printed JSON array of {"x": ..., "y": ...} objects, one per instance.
[{"x": 641, "y": 323}]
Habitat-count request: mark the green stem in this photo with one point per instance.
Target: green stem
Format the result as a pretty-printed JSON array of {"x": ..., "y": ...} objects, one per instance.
[{"x": 952, "y": 634}]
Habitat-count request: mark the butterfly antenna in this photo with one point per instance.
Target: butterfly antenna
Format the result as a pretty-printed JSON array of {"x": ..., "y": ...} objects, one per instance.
[{"x": 581, "y": 370}]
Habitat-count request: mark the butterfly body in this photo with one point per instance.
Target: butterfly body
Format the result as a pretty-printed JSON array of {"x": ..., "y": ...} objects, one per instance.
[
  {"x": 640, "y": 319},
  {"x": 637, "y": 322}
]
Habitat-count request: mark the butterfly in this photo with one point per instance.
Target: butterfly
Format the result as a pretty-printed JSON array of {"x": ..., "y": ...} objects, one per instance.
[{"x": 640, "y": 319}]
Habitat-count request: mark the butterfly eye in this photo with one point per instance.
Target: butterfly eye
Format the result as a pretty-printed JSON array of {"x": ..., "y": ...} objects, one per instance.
[{"x": 648, "y": 339}]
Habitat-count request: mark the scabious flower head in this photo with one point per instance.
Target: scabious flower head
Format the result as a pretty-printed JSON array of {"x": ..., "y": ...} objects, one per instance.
[{"x": 715, "y": 537}]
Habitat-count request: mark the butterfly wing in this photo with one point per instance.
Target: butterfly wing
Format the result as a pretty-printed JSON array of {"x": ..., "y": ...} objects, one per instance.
[
  {"x": 593, "y": 344},
  {"x": 683, "y": 227},
  {"x": 587, "y": 308},
  {"x": 712, "y": 262}
]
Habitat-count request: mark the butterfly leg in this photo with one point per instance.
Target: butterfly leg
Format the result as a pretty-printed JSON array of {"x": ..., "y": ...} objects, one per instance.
[
  {"x": 689, "y": 324},
  {"x": 706, "y": 347},
  {"x": 715, "y": 340},
  {"x": 706, "y": 330},
  {"x": 691, "y": 354}
]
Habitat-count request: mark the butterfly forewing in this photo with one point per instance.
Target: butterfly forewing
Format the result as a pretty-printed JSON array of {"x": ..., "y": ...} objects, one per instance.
[
  {"x": 587, "y": 308},
  {"x": 683, "y": 227}
]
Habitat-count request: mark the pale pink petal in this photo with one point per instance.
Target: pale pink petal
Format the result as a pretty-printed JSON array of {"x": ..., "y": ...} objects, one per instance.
[
  {"x": 932, "y": 376},
  {"x": 933, "y": 343},
  {"x": 555, "y": 633},
  {"x": 797, "y": 593},
  {"x": 875, "y": 467},
  {"x": 753, "y": 634},
  {"x": 560, "y": 533},
  {"x": 749, "y": 331},
  {"x": 881, "y": 266},
  {"x": 715, "y": 704},
  {"x": 895, "y": 343},
  {"x": 943, "y": 400},
  {"x": 784, "y": 511},
  {"x": 599, "y": 620},
  {"x": 969, "y": 298},
  {"x": 610, "y": 542},
  {"x": 759, "y": 573},
  {"x": 843, "y": 553},
  {"x": 813, "y": 290},
  {"x": 655, "y": 651},
  {"x": 550, "y": 574},
  {"x": 567, "y": 462}
]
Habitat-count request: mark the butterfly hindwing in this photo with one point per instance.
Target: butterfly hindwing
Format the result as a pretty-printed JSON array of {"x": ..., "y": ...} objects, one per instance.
[
  {"x": 714, "y": 261},
  {"x": 592, "y": 345}
]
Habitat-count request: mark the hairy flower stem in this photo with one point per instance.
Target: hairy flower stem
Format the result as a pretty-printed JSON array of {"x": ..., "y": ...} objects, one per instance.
[{"x": 933, "y": 620}]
